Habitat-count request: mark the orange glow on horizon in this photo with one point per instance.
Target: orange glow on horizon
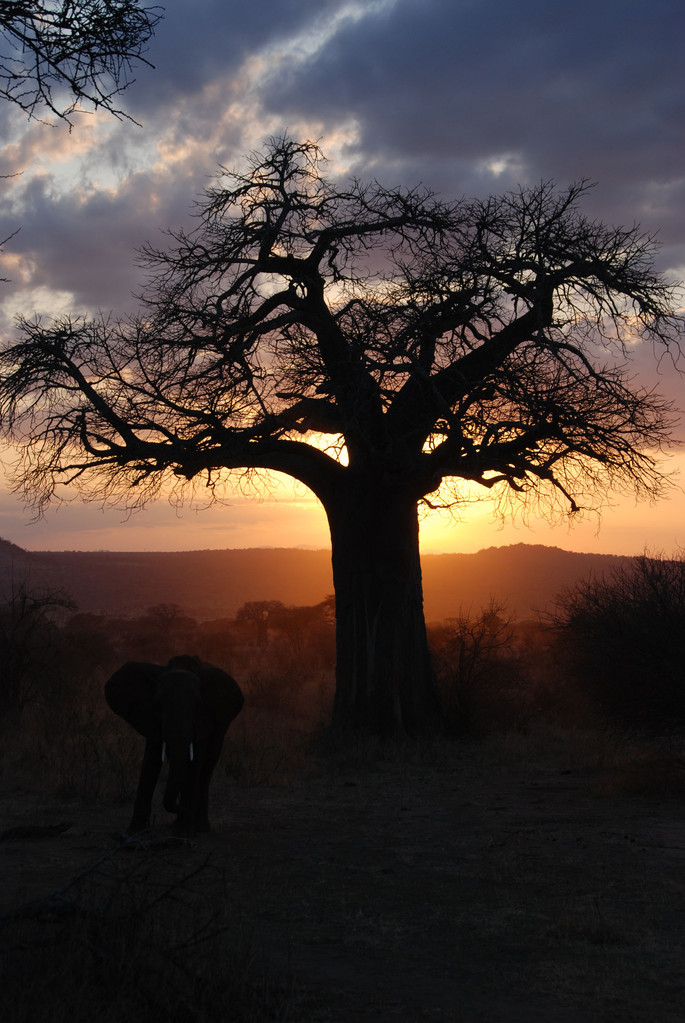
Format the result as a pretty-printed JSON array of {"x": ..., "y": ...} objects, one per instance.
[{"x": 290, "y": 516}]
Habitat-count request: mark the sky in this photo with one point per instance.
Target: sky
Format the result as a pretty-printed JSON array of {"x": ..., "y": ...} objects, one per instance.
[{"x": 468, "y": 97}]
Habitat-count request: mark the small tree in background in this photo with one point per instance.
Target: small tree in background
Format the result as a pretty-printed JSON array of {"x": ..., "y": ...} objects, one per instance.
[
  {"x": 259, "y": 617},
  {"x": 379, "y": 345},
  {"x": 624, "y": 637},
  {"x": 477, "y": 668},
  {"x": 32, "y": 662}
]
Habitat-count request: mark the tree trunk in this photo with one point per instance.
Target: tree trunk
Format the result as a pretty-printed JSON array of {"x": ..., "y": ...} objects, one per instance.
[{"x": 384, "y": 675}]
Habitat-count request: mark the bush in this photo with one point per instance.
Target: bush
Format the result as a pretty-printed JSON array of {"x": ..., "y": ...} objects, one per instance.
[
  {"x": 624, "y": 637},
  {"x": 478, "y": 671},
  {"x": 31, "y": 644},
  {"x": 495, "y": 674}
]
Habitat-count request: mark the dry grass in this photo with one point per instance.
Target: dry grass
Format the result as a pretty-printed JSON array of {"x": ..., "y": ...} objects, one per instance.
[
  {"x": 371, "y": 880},
  {"x": 360, "y": 880},
  {"x": 136, "y": 937},
  {"x": 88, "y": 755},
  {"x": 263, "y": 749},
  {"x": 649, "y": 771}
]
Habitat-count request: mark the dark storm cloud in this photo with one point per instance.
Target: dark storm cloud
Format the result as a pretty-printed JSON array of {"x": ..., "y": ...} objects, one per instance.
[
  {"x": 472, "y": 79},
  {"x": 206, "y": 39},
  {"x": 83, "y": 247},
  {"x": 442, "y": 90}
]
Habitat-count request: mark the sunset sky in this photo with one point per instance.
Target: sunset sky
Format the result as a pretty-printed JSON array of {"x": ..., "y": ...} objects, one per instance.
[{"x": 469, "y": 97}]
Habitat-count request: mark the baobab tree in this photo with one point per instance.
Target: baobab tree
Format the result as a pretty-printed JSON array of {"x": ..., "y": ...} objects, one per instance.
[{"x": 380, "y": 345}]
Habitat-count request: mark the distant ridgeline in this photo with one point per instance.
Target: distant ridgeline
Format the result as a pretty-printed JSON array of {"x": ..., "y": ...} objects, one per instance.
[{"x": 214, "y": 584}]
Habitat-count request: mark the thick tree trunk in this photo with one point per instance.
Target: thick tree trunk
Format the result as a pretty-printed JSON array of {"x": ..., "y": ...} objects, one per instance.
[{"x": 384, "y": 676}]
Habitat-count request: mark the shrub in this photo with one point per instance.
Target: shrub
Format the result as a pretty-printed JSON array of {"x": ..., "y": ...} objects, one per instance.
[
  {"x": 624, "y": 637},
  {"x": 478, "y": 671}
]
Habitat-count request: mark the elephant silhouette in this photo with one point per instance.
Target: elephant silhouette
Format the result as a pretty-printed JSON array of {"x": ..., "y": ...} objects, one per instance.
[{"x": 183, "y": 709}]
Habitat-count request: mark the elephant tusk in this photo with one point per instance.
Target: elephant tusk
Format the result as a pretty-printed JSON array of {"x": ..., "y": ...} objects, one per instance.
[
  {"x": 163, "y": 752},
  {"x": 191, "y": 751}
]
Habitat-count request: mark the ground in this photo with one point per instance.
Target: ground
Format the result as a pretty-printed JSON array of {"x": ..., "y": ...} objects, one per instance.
[{"x": 480, "y": 882}]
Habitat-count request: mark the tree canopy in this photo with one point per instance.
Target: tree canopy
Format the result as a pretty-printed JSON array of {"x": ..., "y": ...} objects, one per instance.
[
  {"x": 373, "y": 343},
  {"x": 57, "y": 54}
]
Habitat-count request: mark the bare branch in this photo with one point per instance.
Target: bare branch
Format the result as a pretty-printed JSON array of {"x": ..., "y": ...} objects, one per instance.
[{"x": 59, "y": 54}]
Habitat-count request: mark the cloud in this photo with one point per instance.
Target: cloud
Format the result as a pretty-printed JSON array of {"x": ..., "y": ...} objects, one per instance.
[
  {"x": 209, "y": 40},
  {"x": 87, "y": 200},
  {"x": 445, "y": 92},
  {"x": 468, "y": 97}
]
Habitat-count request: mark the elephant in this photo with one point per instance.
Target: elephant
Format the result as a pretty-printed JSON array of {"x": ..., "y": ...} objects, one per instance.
[{"x": 183, "y": 709}]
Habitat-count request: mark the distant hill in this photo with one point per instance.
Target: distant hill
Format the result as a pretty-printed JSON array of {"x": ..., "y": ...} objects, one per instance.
[
  {"x": 208, "y": 584},
  {"x": 524, "y": 577},
  {"x": 214, "y": 584}
]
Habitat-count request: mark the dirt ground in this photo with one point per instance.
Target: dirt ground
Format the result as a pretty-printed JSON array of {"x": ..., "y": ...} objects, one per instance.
[{"x": 477, "y": 884}]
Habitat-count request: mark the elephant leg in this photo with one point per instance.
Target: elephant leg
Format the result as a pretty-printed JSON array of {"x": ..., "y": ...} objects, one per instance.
[
  {"x": 149, "y": 773},
  {"x": 203, "y": 780},
  {"x": 201, "y": 813}
]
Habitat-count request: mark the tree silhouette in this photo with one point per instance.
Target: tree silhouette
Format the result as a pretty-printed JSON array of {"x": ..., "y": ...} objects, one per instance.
[
  {"x": 371, "y": 343},
  {"x": 56, "y": 54},
  {"x": 259, "y": 614}
]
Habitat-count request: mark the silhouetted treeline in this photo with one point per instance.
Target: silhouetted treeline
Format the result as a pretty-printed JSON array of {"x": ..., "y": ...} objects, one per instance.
[
  {"x": 613, "y": 648},
  {"x": 51, "y": 652},
  {"x": 57, "y": 731}
]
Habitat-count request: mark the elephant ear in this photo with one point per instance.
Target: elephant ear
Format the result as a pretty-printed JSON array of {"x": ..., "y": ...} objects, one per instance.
[
  {"x": 221, "y": 700},
  {"x": 131, "y": 693}
]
